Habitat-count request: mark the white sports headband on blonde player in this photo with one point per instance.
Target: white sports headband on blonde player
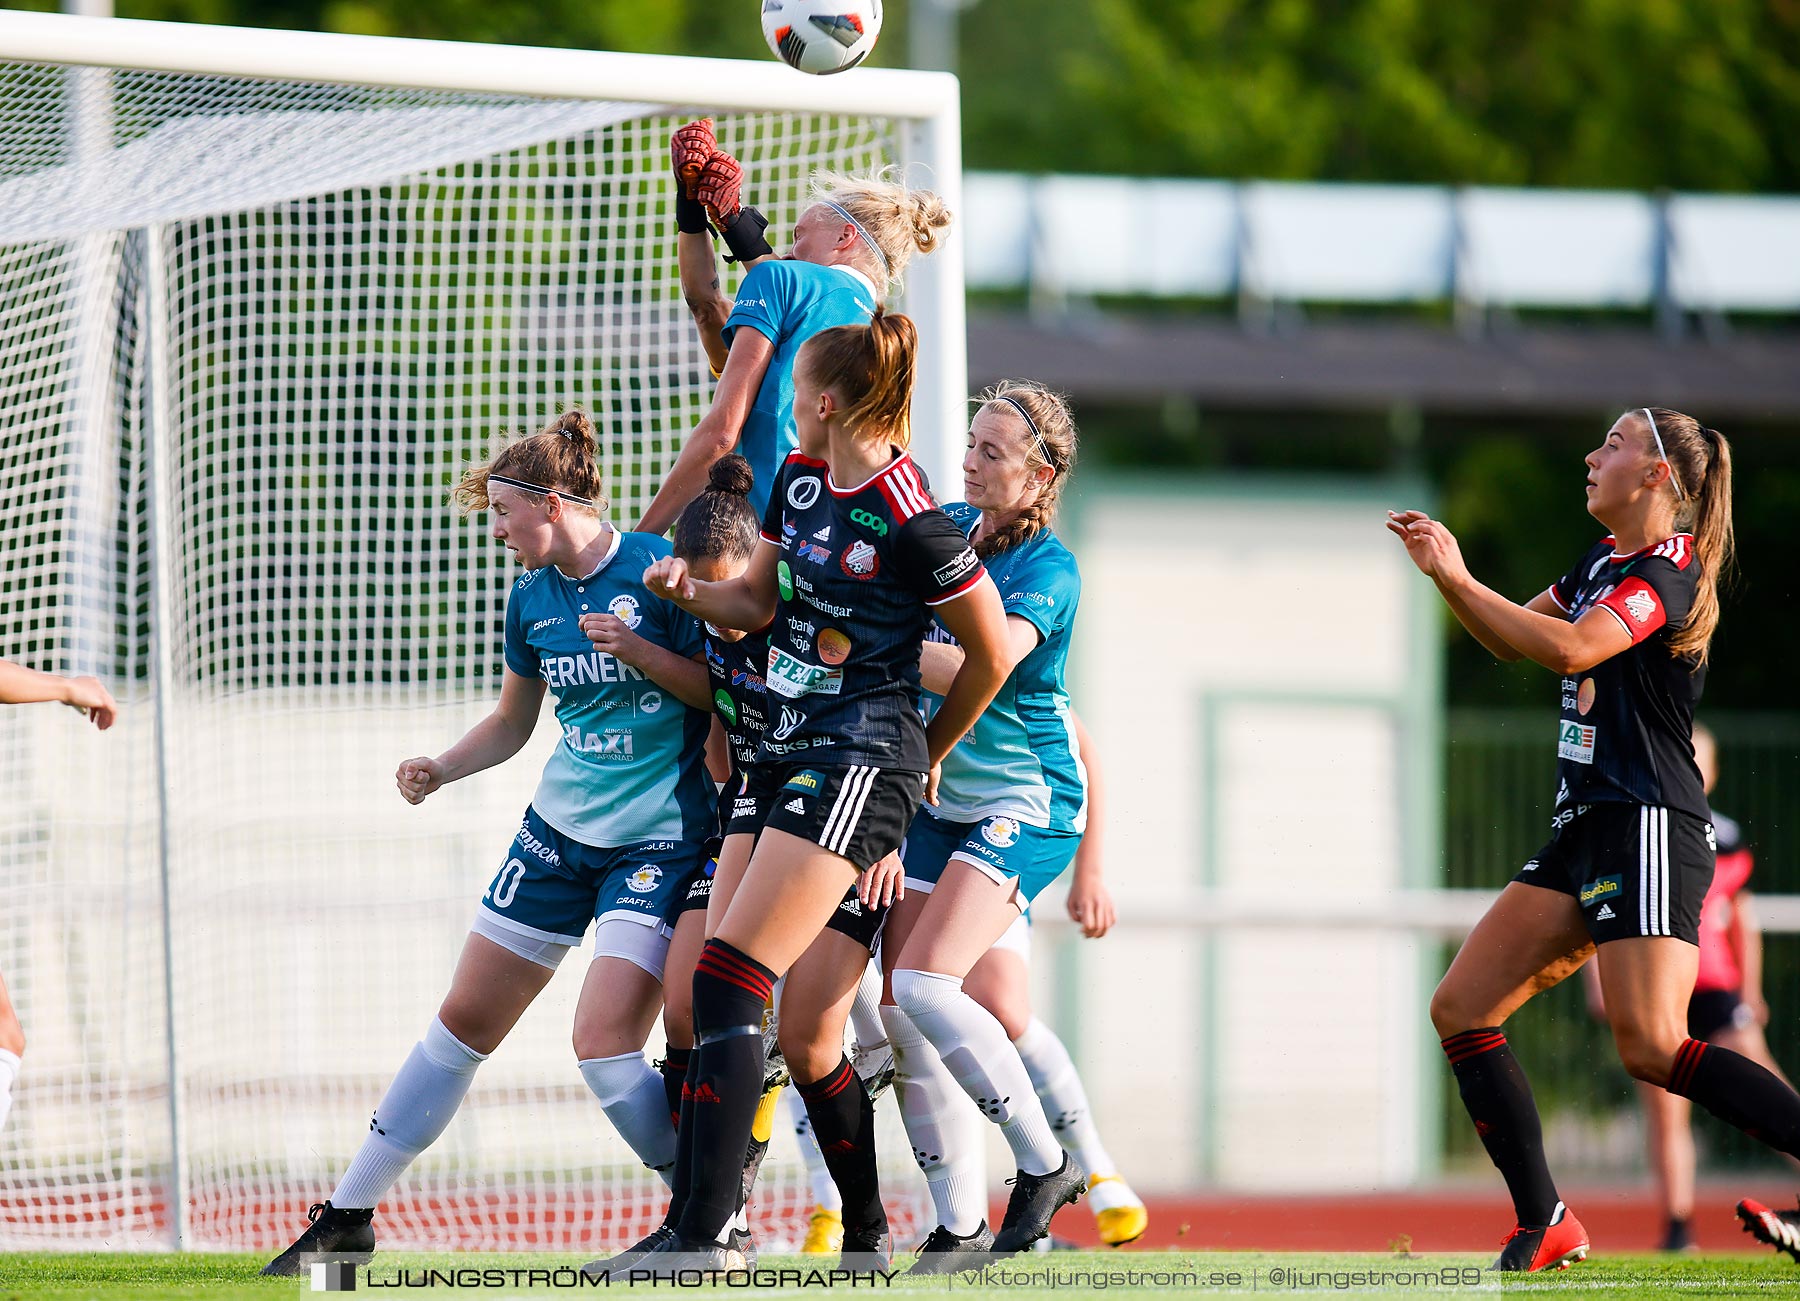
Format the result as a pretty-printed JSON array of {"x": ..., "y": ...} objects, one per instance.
[
  {"x": 1657, "y": 435},
  {"x": 1031, "y": 424},
  {"x": 862, "y": 230}
]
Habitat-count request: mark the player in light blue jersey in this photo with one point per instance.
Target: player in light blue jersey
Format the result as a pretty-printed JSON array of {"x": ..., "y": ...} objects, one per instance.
[
  {"x": 1010, "y": 812},
  {"x": 613, "y": 836},
  {"x": 850, "y": 245}
]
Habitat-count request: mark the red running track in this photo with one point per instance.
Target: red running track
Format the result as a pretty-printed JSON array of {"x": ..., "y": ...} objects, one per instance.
[{"x": 1618, "y": 1219}]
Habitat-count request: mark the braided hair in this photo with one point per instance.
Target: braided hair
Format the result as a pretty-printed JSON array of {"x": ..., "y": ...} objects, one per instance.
[{"x": 1050, "y": 441}]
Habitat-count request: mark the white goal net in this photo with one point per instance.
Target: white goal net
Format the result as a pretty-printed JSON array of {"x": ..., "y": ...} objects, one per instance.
[{"x": 250, "y": 330}]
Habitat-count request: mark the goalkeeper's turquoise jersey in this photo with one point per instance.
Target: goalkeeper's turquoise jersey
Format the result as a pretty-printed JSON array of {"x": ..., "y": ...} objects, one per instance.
[
  {"x": 787, "y": 302},
  {"x": 1021, "y": 759},
  {"x": 630, "y": 765}
]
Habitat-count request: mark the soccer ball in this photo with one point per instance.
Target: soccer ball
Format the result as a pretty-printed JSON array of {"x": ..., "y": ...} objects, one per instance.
[{"x": 821, "y": 35}]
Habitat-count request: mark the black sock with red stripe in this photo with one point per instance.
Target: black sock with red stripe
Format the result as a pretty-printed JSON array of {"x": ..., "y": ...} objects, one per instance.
[
  {"x": 677, "y": 1087},
  {"x": 674, "y": 1067},
  {"x": 725, "y": 1080},
  {"x": 1498, "y": 1098},
  {"x": 1738, "y": 1092},
  {"x": 843, "y": 1121}
]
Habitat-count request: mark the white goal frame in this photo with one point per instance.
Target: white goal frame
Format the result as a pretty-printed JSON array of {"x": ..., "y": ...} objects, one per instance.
[
  {"x": 930, "y": 103},
  {"x": 924, "y": 106}
]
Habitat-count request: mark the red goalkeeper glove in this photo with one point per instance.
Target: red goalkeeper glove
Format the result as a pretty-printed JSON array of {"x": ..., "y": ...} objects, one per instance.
[{"x": 689, "y": 149}]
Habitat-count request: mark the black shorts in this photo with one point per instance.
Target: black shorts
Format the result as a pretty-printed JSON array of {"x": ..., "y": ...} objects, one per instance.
[
  {"x": 861, "y": 924},
  {"x": 850, "y": 918},
  {"x": 697, "y": 893},
  {"x": 858, "y": 812},
  {"x": 1713, "y": 1010},
  {"x": 1635, "y": 869}
]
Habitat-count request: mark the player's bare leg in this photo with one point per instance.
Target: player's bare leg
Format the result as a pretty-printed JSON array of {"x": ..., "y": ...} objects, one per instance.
[{"x": 1530, "y": 940}]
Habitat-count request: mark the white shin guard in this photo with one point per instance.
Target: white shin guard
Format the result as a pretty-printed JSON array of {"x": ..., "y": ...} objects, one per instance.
[
  {"x": 1065, "y": 1101},
  {"x": 415, "y": 1110},
  {"x": 631, "y": 1093},
  {"x": 946, "y": 1132},
  {"x": 977, "y": 1052}
]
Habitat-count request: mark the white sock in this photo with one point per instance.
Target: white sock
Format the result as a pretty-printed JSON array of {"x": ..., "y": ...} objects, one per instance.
[
  {"x": 631, "y": 1093},
  {"x": 416, "y": 1109},
  {"x": 977, "y": 1052},
  {"x": 865, "y": 1012},
  {"x": 1058, "y": 1085},
  {"x": 9, "y": 1071},
  {"x": 945, "y": 1130},
  {"x": 824, "y": 1190}
]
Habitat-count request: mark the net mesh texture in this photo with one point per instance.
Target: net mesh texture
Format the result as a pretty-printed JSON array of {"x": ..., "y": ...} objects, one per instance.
[{"x": 250, "y": 334}]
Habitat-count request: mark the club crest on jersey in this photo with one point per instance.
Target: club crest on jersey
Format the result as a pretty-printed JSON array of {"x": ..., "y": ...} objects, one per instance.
[
  {"x": 802, "y": 493},
  {"x": 860, "y": 560},
  {"x": 650, "y": 702},
  {"x": 645, "y": 879},
  {"x": 624, "y": 608},
  {"x": 1001, "y": 833},
  {"x": 1641, "y": 605}
]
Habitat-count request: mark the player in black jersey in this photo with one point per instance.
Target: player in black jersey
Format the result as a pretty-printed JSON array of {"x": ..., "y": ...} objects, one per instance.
[
  {"x": 716, "y": 535},
  {"x": 1627, "y": 629},
  {"x": 855, "y": 560}
]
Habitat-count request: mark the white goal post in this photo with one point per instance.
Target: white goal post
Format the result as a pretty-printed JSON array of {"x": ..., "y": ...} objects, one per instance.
[{"x": 262, "y": 295}]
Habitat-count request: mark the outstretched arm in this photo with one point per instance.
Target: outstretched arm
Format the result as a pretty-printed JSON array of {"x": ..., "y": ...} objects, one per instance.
[
  {"x": 1502, "y": 625},
  {"x": 22, "y": 686},
  {"x": 715, "y": 435}
]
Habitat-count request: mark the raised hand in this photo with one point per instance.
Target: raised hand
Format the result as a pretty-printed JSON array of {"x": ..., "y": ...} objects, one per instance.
[
  {"x": 1432, "y": 547},
  {"x": 668, "y": 577},
  {"x": 719, "y": 187},
  {"x": 689, "y": 148}
]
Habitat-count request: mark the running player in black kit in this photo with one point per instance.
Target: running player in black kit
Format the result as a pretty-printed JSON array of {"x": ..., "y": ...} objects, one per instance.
[
  {"x": 1631, "y": 854},
  {"x": 852, "y": 576}
]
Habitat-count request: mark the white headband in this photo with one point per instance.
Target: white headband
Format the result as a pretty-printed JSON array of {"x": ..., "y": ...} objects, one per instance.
[
  {"x": 1031, "y": 424},
  {"x": 1654, "y": 433},
  {"x": 541, "y": 490},
  {"x": 862, "y": 230}
]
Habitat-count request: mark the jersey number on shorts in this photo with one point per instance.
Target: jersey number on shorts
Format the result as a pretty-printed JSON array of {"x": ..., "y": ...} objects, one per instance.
[{"x": 506, "y": 885}]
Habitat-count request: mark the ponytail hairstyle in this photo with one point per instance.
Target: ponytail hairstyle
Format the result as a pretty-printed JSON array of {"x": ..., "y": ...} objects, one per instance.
[
  {"x": 560, "y": 459},
  {"x": 892, "y": 220},
  {"x": 719, "y": 524},
  {"x": 871, "y": 367},
  {"x": 1700, "y": 481},
  {"x": 1049, "y": 441}
]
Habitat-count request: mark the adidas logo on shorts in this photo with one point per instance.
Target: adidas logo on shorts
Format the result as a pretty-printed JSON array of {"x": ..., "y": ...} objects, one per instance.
[
  {"x": 795, "y": 805},
  {"x": 1606, "y": 914}
]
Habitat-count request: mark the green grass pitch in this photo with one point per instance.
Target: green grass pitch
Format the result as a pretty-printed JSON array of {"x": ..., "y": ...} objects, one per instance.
[{"x": 206, "y": 1277}]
